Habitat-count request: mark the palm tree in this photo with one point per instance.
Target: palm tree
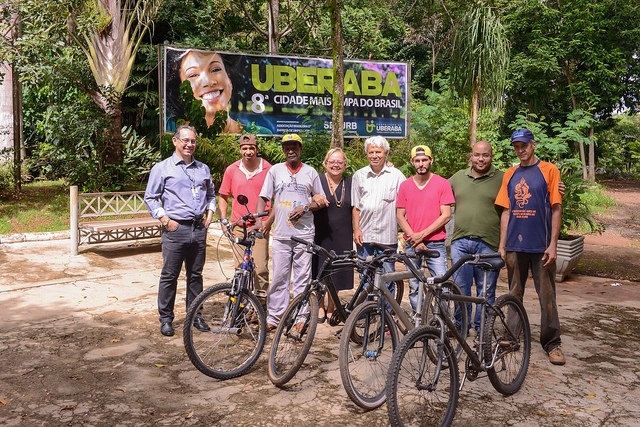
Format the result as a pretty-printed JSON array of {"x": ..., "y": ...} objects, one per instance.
[
  {"x": 480, "y": 61},
  {"x": 110, "y": 46}
]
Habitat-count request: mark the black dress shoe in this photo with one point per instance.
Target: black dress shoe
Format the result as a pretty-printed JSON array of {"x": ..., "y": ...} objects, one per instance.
[
  {"x": 201, "y": 325},
  {"x": 166, "y": 329}
]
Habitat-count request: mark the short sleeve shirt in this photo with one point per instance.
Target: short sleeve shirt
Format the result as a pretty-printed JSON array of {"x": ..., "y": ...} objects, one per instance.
[
  {"x": 475, "y": 214},
  {"x": 289, "y": 191},
  {"x": 374, "y": 195},
  {"x": 236, "y": 182},
  {"x": 422, "y": 206},
  {"x": 529, "y": 192}
]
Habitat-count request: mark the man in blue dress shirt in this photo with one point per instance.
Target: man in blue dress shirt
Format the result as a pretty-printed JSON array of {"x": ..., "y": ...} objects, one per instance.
[{"x": 180, "y": 194}]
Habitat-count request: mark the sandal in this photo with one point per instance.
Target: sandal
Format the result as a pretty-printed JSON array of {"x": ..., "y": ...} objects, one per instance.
[{"x": 323, "y": 318}]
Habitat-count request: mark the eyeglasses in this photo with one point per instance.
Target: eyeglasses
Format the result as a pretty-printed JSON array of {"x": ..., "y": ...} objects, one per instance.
[
  {"x": 483, "y": 155},
  {"x": 335, "y": 162},
  {"x": 186, "y": 141}
]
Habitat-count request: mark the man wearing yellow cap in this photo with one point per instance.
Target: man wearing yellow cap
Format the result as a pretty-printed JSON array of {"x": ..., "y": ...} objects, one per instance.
[
  {"x": 423, "y": 209},
  {"x": 292, "y": 185}
]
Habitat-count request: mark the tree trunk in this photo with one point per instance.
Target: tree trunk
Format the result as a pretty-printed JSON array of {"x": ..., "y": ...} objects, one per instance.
[
  {"x": 17, "y": 113},
  {"x": 17, "y": 129},
  {"x": 574, "y": 104},
  {"x": 114, "y": 152},
  {"x": 274, "y": 35},
  {"x": 337, "y": 117},
  {"x": 591, "y": 176},
  {"x": 583, "y": 159},
  {"x": 475, "y": 101}
]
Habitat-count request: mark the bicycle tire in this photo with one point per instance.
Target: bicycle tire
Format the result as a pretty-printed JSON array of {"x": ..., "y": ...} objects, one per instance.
[
  {"x": 227, "y": 350},
  {"x": 363, "y": 368},
  {"x": 451, "y": 307},
  {"x": 367, "y": 297},
  {"x": 410, "y": 399},
  {"x": 290, "y": 345},
  {"x": 509, "y": 335}
]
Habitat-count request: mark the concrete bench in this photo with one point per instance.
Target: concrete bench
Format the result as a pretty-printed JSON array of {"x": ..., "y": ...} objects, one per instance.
[{"x": 109, "y": 217}]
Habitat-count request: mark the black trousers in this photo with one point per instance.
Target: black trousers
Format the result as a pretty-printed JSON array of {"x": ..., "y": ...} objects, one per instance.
[{"x": 185, "y": 245}]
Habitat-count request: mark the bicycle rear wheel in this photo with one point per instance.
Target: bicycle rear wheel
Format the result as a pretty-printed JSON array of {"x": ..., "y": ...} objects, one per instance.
[
  {"x": 420, "y": 391},
  {"x": 232, "y": 345},
  {"x": 508, "y": 337},
  {"x": 293, "y": 338},
  {"x": 364, "y": 361},
  {"x": 456, "y": 310}
]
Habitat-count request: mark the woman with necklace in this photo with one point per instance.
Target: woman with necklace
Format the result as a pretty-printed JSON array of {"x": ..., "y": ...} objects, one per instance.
[{"x": 334, "y": 230}]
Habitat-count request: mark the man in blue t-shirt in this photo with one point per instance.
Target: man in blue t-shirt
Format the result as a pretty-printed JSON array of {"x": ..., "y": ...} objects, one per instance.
[{"x": 529, "y": 231}]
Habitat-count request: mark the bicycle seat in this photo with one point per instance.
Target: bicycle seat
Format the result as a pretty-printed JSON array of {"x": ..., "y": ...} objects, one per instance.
[{"x": 490, "y": 264}]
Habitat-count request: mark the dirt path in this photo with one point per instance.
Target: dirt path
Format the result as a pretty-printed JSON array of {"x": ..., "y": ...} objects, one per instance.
[
  {"x": 616, "y": 252},
  {"x": 81, "y": 347}
]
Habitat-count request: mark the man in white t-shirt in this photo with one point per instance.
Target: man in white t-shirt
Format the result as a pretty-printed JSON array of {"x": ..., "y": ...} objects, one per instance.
[{"x": 292, "y": 185}]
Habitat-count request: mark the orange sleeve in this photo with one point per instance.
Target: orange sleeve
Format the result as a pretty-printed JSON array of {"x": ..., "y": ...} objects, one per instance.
[
  {"x": 502, "y": 199},
  {"x": 552, "y": 176}
]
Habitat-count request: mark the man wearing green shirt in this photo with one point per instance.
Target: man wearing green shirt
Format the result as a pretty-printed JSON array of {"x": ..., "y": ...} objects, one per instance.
[{"x": 476, "y": 223}]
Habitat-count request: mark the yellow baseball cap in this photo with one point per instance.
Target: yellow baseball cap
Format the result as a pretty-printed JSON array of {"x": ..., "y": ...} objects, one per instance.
[
  {"x": 420, "y": 150},
  {"x": 292, "y": 137}
]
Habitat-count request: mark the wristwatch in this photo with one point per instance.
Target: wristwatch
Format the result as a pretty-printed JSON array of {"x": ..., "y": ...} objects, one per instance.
[
  {"x": 165, "y": 222},
  {"x": 305, "y": 208}
]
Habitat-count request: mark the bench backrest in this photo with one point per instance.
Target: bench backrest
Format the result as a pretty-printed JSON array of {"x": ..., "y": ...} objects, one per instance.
[{"x": 95, "y": 205}]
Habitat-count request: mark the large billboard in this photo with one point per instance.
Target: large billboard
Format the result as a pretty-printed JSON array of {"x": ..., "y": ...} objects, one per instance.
[{"x": 274, "y": 95}]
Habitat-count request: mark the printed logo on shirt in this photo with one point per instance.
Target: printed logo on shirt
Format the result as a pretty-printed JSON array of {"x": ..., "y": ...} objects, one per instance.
[{"x": 522, "y": 195}]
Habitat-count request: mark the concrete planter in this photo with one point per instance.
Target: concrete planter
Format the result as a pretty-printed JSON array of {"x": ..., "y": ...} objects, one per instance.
[{"x": 569, "y": 253}]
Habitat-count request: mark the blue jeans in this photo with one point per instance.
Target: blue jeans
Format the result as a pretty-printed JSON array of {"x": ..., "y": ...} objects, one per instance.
[
  {"x": 186, "y": 245},
  {"x": 368, "y": 249},
  {"x": 436, "y": 266},
  {"x": 466, "y": 274}
]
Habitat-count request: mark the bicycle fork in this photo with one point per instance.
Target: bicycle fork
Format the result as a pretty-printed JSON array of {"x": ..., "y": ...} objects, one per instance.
[{"x": 232, "y": 322}]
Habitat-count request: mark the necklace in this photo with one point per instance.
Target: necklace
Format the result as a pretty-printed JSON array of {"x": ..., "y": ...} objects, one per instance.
[{"x": 334, "y": 190}]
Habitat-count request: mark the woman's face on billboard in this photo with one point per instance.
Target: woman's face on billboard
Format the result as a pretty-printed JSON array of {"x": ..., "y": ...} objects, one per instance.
[{"x": 209, "y": 80}]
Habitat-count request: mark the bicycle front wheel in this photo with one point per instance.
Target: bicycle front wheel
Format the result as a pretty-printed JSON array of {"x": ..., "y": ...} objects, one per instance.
[
  {"x": 364, "y": 361},
  {"x": 420, "y": 391},
  {"x": 293, "y": 338},
  {"x": 507, "y": 343},
  {"x": 233, "y": 344}
]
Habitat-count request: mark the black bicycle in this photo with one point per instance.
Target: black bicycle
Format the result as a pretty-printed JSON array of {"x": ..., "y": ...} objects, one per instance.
[
  {"x": 296, "y": 330},
  {"x": 423, "y": 380},
  {"x": 235, "y": 319},
  {"x": 370, "y": 334}
]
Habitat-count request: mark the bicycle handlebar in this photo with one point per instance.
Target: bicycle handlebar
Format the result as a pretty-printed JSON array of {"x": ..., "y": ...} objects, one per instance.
[
  {"x": 331, "y": 255},
  {"x": 242, "y": 222}
]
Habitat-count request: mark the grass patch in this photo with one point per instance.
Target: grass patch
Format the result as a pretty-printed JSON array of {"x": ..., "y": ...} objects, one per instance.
[
  {"x": 40, "y": 206},
  {"x": 596, "y": 197}
]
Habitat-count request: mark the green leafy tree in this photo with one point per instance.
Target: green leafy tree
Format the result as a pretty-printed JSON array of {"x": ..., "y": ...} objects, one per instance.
[
  {"x": 480, "y": 61},
  {"x": 620, "y": 146},
  {"x": 573, "y": 54},
  {"x": 112, "y": 32}
]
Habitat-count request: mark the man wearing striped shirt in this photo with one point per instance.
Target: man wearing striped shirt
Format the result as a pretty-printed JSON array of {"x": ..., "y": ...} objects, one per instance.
[{"x": 374, "y": 190}]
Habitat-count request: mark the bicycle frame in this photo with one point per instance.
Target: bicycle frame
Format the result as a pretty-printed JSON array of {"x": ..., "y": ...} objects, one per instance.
[
  {"x": 379, "y": 285},
  {"x": 434, "y": 285},
  {"x": 243, "y": 275}
]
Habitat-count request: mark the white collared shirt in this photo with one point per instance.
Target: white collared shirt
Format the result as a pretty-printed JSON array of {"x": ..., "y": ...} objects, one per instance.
[{"x": 374, "y": 195}]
